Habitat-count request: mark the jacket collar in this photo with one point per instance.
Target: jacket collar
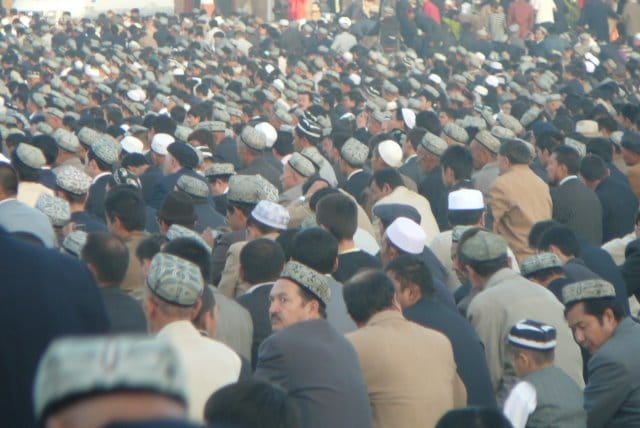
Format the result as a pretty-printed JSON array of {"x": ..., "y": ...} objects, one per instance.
[
  {"x": 385, "y": 316},
  {"x": 504, "y": 274}
]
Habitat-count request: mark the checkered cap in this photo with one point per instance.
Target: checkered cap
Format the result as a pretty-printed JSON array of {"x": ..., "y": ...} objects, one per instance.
[
  {"x": 175, "y": 280},
  {"x": 308, "y": 278}
]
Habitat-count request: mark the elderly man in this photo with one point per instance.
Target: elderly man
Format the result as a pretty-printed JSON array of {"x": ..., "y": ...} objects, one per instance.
[
  {"x": 315, "y": 364},
  {"x": 599, "y": 325}
]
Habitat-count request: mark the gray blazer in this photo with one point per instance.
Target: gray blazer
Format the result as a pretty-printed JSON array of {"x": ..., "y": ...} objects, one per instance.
[
  {"x": 612, "y": 395},
  {"x": 319, "y": 369}
]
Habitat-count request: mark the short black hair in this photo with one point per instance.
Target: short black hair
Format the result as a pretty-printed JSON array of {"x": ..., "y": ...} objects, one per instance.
[
  {"x": 459, "y": 159},
  {"x": 464, "y": 217},
  {"x": 411, "y": 269},
  {"x": 261, "y": 261},
  {"x": 569, "y": 157},
  {"x": 339, "y": 214},
  {"x": 48, "y": 146},
  {"x": 193, "y": 251},
  {"x": 389, "y": 176},
  {"x": 164, "y": 124},
  {"x": 602, "y": 147},
  {"x": 516, "y": 151},
  {"x": 8, "y": 179},
  {"x": 366, "y": 294},
  {"x": 251, "y": 403},
  {"x": 177, "y": 208},
  {"x": 108, "y": 255},
  {"x": 430, "y": 121},
  {"x": 126, "y": 204},
  {"x": 548, "y": 140},
  {"x": 415, "y": 135},
  {"x": 537, "y": 230},
  {"x": 474, "y": 417},
  {"x": 563, "y": 238},
  {"x": 593, "y": 168},
  {"x": 150, "y": 246},
  {"x": 597, "y": 307},
  {"x": 316, "y": 248}
]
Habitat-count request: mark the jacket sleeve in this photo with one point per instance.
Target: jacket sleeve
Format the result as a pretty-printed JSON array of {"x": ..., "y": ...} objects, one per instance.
[
  {"x": 499, "y": 204},
  {"x": 271, "y": 364},
  {"x": 607, "y": 389},
  {"x": 231, "y": 273}
]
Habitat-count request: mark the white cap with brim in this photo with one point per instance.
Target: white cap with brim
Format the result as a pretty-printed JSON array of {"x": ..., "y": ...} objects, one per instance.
[
  {"x": 407, "y": 235},
  {"x": 161, "y": 142}
]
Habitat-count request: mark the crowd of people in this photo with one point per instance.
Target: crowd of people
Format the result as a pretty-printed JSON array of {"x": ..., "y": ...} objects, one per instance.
[{"x": 422, "y": 215}]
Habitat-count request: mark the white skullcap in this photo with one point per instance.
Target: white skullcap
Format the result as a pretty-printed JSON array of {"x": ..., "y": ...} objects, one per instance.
[
  {"x": 481, "y": 90},
  {"x": 409, "y": 117},
  {"x": 160, "y": 143},
  {"x": 137, "y": 95},
  {"x": 344, "y": 23},
  {"x": 391, "y": 153},
  {"x": 466, "y": 199},
  {"x": 492, "y": 81},
  {"x": 407, "y": 235},
  {"x": 269, "y": 132},
  {"x": 132, "y": 144}
]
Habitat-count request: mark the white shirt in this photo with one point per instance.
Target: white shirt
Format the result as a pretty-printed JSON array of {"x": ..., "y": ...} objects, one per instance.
[
  {"x": 520, "y": 404},
  {"x": 354, "y": 173},
  {"x": 97, "y": 177},
  {"x": 544, "y": 10}
]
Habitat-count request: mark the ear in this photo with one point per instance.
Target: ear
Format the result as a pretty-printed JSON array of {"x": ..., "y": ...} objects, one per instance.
[
  {"x": 195, "y": 309},
  {"x": 241, "y": 274},
  {"x": 335, "y": 265}
]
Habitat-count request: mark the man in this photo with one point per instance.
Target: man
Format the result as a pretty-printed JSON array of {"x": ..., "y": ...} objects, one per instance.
[
  {"x": 251, "y": 155},
  {"x": 125, "y": 211},
  {"x": 600, "y": 326},
  {"x": 521, "y": 13},
  {"x": 107, "y": 258},
  {"x": 619, "y": 204},
  {"x": 100, "y": 158},
  {"x": 314, "y": 363},
  {"x": 318, "y": 249},
  {"x": 93, "y": 381},
  {"x": 181, "y": 159},
  {"x": 353, "y": 156},
  {"x": 631, "y": 156},
  {"x": 457, "y": 165},
  {"x": 64, "y": 301},
  {"x": 414, "y": 293},
  {"x": 153, "y": 174},
  {"x": 410, "y": 167},
  {"x": 68, "y": 149},
  {"x": 506, "y": 297},
  {"x": 261, "y": 262},
  {"x": 484, "y": 150},
  {"x": 517, "y": 198},
  {"x": 28, "y": 161},
  {"x": 174, "y": 286},
  {"x": 546, "y": 269},
  {"x": 218, "y": 176},
  {"x": 422, "y": 389},
  {"x": 432, "y": 187},
  {"x": 344, "y": 41},
  {"x": 338, "y": 214},
  {"x": 73, "y": 185},
  {"x": 294, "y": 174},
  {"x": 16, "y": 216},
  {"x": 574, "y": 204},
  {"x": 198, "y": 192},
  {"x": 387, "y": 188}
]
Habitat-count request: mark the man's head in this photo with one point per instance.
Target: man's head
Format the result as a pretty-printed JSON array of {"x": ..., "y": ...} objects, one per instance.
[
  {"x": 561, "y": 241},
  {"x": 484, "y": 149},
  {"x": 481, "y": 254},
  {"x": 316, "y": 248},
  {"x": 368, "y": 293},
  {"x": 457, "y": 165},
  {"x": 429, "y": 152},
  {"x": 592, "y": 311},
  {"x": 383, "y": 182},
  {"x": 466, "y": 207},
  {"x": 631, "y": 148},
  {"x": 542, "y": 268},
  {"x": 411, "y": 278},
  {"x": 513, "y": 152},
  {"x": 296, "y": 171},
  {"x": 8, "y": 181},
  {"x": 338, "y": 214},
  {"x": 125, "y": 211},
  {"x": 532, "y": 346},
  {"x": 300, "y": 294},
  {"x": 179, "y": 155},
  {"x": 107, "y": 257},
  {"x": 563, "y": 162},
  {"x": 592, "y": 171},
  {"x": 80, "y": 383},
  {"x": 267, "y": 218},
  {"x": 403, "y": 236},
  {"x": 174, "y": 287},
  {"x": 261, "y": 260}
]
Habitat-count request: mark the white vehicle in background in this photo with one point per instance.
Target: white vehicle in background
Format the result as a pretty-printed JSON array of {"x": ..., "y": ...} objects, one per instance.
[{"x": 92, "y": 8}]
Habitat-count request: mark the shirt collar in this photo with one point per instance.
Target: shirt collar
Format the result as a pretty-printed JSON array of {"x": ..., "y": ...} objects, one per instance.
[
  {"x": 354, "y": 173},
  {"x": 255, "y": 287},
  {"x": 97, "y": 177},
  {"x": 567, "y": 178}
]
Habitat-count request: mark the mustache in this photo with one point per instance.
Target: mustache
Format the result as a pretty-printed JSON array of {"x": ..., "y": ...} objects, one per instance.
[{"x": 274, "y": 317}]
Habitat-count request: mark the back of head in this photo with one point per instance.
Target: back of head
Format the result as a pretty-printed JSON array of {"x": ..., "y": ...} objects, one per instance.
[
  {"x": 516, "y": 151},
  {"x": 601, "y": 147},
  {"x": 593, "y": 168},
  {"x": 366, "y": 294},
  {"x": 261, "y": 260},
  {"x": 108, "y": 256},
  {"x": 459, "y": 159},
  {"x": 8, "y": 180},
  {"x": 429, "y": 120},
  {"x": 562, "y": 238},
  {"x": 177, "y": 208},
  {"x": 569, "y": 157},
  {"x": 164, "y": 124},
  {"x": 338, "y": 214},
  {"x": 538, "y": 230},
  {"x": 250, "y": 404},
  {"x": 474, "y": 417},
  {"x": 127, "y": 205},
  {"x": 193, "y": 251},
  {"x": 409, "y": 269},
  {"x": 316, "y": 248},
  {"x": 388, "y": 176}
]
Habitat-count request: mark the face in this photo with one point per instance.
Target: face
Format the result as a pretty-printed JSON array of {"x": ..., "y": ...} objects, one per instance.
[
  {"x": 503, "y": 164},
  {"x": 478, "y": 155},
  {"x": 554, "y": 169},
  {"x": 589, "y": 332},
  {"x": 167, "y": 165},
  {"x": 235, "y": 218},
  {"x": 404, "y": 296},
  {"x": 304, "y": 102},
  {"x": 630, "y": 158},
  {"x": 287, "y": 306},
  {"x": 448, "y": 177},
  {"x": 288, "y": 177},
  {"x": 376, "y": 191}
]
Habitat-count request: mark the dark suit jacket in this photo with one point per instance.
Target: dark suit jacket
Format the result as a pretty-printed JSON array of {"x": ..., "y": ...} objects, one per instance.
[
  {"x": 90, "y": 222},
  {"x": 351, "y": 262},
  {"x": 207, "y": 216},
  {"x": 432, "y": 188},
  {"x": 227, "y": 152},
  {"x": 149, "y": 178},
  {"x": 320, "y": 371},
  {"x": 262, "y": 167},
  {"x": 578, "y": 207},
  {"x": 220, "y": 203},
  {"x": 97, "y": 195},
  {"x": 257, "y": 303},
  {"x": 619, "y": 208},
  {"x": 43, "y": 295},
  {"x": 47, "y": 178},
  {"x": 125, "y": 313},
  {"x": 219, "y": 256},
  {"x": 467, "y": 348},
  {"x": 356, "y": 184},
  {"x": 167, "y": 183},
  {"x": 412, "y": 170}
]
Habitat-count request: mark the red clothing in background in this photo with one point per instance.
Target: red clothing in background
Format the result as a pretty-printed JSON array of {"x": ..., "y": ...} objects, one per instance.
[{"x": 430, "y": 9}]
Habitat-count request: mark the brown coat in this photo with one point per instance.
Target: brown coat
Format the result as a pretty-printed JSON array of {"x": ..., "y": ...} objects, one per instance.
[
  {"x": 409, "y": 370},
  {"x": 519, "y": 199}
]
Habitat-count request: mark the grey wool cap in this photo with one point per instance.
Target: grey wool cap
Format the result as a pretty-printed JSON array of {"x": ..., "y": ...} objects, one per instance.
[
  {"x": 484, "y": 246},
  {"x": 253, "y": 138},
  {"x": 30, "y": 155},
  {"x": 301, "y": 165},
  {"x": 105, "y": 149},
  {"x": 56, "y": 209},
  {"x": 66, "y": 140},
  {"x": 218, "y": 169},
  {"x": 73, "y": 180},
  {"x": 193, "y": 187},
  {"x": 73, "y": 243},
  {"x": 539, "y": 262},
  {"x": 309, "y": 279},
  {"x": 178, "y": 231},
  {"x": 175, "y": 280},
  {"x": 488, "y": 140},
  {"x": 433, "y": 144},
  {"x": 251, "y": 189},
  {"x": 587, "y": 290},
  {"x": 354, "y": 152}
]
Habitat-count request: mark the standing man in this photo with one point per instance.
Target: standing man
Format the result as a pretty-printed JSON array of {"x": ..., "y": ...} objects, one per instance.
[
  {"x": 427, "y": 385},
  {"x": 574, "y": 205},
  {"x": 523, "y": 14},
  {"x": 251, "y": 155},
  {"x": 314, "y": 363},
  {"x": 432, "y": 187},
  {"x": 353, "y": 156},
  {"x": 518, "y": 198},
  {"x": 612, "y": 394},
  {"x": 100, "y": 158}
]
